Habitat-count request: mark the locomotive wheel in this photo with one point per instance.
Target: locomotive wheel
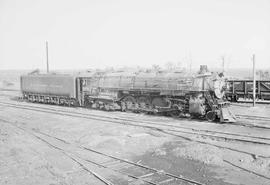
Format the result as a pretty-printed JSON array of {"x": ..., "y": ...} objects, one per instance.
[
  {"x": 159, "y": 102},
  {"x": 175, "y": 113},
  {"x": 143, "y": 101},
  {"x": 129, "y": 102},
  {"x": 123, "y": 106},
  {"x": 235, "y": 98},
  {"x": 211, "y": 116},
  {"x": 95, "y": 105},
  {"x": 106, "y": 107}
]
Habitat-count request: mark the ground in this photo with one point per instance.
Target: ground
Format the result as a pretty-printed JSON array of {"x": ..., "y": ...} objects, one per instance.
[{"x": 27, "y": 159}]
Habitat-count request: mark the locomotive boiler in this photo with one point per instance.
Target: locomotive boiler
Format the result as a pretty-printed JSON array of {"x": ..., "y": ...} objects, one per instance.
[{"x": 175, "y": 93}]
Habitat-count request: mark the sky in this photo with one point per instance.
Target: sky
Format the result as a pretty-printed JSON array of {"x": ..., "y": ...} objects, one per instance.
[{"x": 85, "y": 34}]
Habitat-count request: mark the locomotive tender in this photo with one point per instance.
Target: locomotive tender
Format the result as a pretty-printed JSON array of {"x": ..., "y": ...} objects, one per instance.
[
  {"x": 170, "y": 93},
  {"x": 50, "y": 88}
]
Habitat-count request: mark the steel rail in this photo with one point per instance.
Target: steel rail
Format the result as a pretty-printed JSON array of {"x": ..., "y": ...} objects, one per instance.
[
  {"x": 154, "y": 123},
  {"x": 102, "y": 179},
  {"x": 126, "y": 161},
  {"x": 136, "y": 125},
  {"x": 263, "y": 118},
  {"x": 107, "y": 182}
]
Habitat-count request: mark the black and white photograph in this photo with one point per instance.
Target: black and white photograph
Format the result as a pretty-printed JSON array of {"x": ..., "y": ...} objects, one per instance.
[{"x": 134, "y": 92}]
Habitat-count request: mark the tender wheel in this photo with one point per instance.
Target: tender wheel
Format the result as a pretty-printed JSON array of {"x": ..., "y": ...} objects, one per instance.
[
  {"x": 211, "y": 116},
  {"x": 123, "y": 106},
  {"x": 235, "y": 98}
]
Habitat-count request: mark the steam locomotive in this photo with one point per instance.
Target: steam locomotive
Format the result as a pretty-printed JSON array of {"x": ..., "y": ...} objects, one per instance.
[{"x": 176, "y": 93}]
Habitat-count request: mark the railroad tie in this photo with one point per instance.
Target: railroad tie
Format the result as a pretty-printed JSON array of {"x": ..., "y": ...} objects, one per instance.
[
  {"x": 166, "y": 181},
  {"x": 105, "y": 163},
  {"x": 117, "y": 165},
  {"x": 146, "y": 175},
  {"x": 112, "y": 163}
]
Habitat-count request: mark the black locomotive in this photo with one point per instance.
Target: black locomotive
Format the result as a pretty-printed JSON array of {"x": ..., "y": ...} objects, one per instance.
[{"x": 176, "y": 93}]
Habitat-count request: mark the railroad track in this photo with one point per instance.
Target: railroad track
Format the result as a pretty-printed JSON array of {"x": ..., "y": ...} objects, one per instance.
[
  {"x": 250, "y": 102},
  {"x": 5, "y": 89},
  {"x": 119, "y": 165},
  {"x": 243, "y": 116},
  {"x": 252, "y": 117},
  {"x": 248, "y": 121},
  {"x": 177, "y": 135},
  {"x": 169, "y": 129},
  {"x": 184, "y": 129},
  {"x": 260, "y": 118}
]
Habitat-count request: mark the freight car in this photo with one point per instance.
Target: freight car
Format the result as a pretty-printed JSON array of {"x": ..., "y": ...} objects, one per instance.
[
  {"x": 244, "y": 89},
  {"x": 169, "y": 93}
]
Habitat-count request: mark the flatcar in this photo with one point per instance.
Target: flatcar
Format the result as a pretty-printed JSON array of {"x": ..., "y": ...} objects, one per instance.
[{"x": 168, "y": 93}]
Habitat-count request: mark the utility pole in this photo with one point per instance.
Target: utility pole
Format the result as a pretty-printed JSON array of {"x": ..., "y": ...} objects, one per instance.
[
  {"x": 190, "y": 62},
  {"x": 223, "y": 63},
  {"x": 254, "y": 80},
  {"x": 47, "y": 56},
  {"x": 190, "y": 66}
]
